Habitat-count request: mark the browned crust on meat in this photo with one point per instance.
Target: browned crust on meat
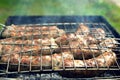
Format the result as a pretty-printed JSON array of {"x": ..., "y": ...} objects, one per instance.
[
  {"x": 39, "y": 42},
  {"x": 82, "y": 29},
  {"x": 36, "y": 60},
  {"x": 34, "y": 50},
  {"x": 14, "y": 31},
  {"x": 104, "y": 60},
  {"x": 109, "y": 43}
]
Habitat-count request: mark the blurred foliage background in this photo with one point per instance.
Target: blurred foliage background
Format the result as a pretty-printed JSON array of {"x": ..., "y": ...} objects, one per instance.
[{"x": 105, "y": 8}]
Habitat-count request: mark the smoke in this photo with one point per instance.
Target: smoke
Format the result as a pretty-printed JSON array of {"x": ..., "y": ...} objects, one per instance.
[
  {"x": 22, "y": 7},
  {"x": 66, "y": 7},
  {"x": 54, "y": 7}
]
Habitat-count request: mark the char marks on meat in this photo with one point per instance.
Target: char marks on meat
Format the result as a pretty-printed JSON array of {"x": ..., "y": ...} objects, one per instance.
[
  {"x": 106, "y": 59},
  {"x": 49, "y": 46},
  {"x": 44, "y": 31}
]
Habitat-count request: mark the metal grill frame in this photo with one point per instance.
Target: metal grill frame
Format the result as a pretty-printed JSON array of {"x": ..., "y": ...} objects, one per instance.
[{"x": 112, "y": 34}]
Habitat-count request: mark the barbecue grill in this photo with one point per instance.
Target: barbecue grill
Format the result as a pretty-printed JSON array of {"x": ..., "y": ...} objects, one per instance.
[{"x": 69, "y": 24}]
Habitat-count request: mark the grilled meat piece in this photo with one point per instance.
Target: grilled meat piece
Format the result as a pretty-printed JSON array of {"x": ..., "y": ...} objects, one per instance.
[
  {"x": 39, "y": 42},
  {"x": 37, "y": 46},
  {"x": 67, "y": 38},
  {"x": 86, "y": 47},
  {"x": 44, "y": 60},
  {"x": 91, "y": 36},
  {"x": 86, "y": 52},
  {"x": 8, "y": 49},
  {"x": 11, "y": 41},
  {"x": 104, "y": 60},
  {"x": 109, "y": 43},
  {"x": 34, "y": 50},
  {"x": 85, "y": 39},
  {"x": 15, "y": 31},
  {"x": 98, "y": 33},
  {"x": 79, "y": 51},
  {"x": 83, "y": 51},
  {"x": 90, "y": 39},
  {"x": 82, "y": 30},
  {"x": 62, "y": 40}
]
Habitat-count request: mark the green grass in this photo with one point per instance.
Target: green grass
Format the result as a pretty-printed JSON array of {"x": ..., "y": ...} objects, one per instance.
[
  {"x": 110, "y": 12},
  {"x": 61, "y": 7}
]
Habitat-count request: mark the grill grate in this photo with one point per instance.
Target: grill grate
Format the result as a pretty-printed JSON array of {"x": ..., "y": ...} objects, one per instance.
[{"x": 69, "y": 28}]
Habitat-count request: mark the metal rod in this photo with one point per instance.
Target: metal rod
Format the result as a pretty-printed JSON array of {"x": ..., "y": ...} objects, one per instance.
[{"x": 109, "y": 34}]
